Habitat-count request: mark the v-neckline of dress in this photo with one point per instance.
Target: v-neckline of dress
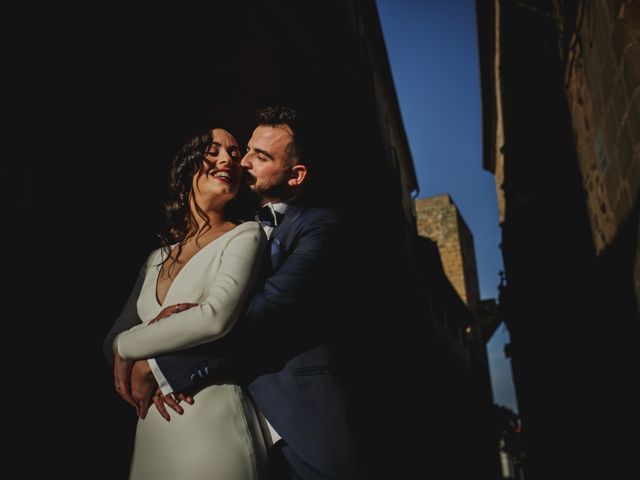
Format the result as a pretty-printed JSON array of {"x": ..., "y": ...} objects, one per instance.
[{"x": 157, "y": 299}]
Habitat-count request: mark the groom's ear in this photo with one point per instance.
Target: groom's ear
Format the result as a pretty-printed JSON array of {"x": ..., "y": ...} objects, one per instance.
[{"x": 297, "y": 174}]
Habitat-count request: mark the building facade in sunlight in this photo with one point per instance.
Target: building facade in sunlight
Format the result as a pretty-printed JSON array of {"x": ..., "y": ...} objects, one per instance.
[{"x": 440, "y": 220}]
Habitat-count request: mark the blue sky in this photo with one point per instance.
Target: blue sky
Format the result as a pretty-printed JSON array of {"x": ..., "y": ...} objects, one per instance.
[{"x": 432, "y": 49}]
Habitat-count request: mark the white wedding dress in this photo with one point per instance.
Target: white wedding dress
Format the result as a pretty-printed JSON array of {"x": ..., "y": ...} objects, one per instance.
[{"x": 219, "y": 436}]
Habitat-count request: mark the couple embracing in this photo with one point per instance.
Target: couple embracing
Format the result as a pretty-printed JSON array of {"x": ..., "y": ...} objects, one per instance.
[{"x": 223, "y": 347}]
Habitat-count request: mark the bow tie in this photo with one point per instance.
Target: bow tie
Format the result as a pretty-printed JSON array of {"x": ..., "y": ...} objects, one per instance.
[{"x": 269, "y": 217}]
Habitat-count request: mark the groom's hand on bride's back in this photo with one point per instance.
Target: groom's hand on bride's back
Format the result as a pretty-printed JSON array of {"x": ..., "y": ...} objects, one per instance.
[
  {"x": 159, "y": 400},
  {"x": 143, "y": 385}
]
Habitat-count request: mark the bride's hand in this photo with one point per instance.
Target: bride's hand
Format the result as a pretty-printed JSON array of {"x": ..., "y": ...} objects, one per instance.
[{"x": 171, "y": 309}]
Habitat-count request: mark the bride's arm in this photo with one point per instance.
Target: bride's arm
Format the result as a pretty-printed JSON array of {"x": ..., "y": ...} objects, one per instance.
[{"x": 211, "y": 319}]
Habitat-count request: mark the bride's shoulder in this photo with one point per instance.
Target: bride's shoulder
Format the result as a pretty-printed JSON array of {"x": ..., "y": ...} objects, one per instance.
[
  {"x": 156, "y": 256},
  {"x": 248, "y": 229},
  {"x": 249, "y": 225}
]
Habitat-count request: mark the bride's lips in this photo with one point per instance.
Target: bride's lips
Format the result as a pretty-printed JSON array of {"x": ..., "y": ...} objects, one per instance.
[{"x": 223, "y": 175}]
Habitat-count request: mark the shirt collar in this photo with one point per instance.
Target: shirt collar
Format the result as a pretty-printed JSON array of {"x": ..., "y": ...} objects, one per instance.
[{"x": 277, "y": 209}]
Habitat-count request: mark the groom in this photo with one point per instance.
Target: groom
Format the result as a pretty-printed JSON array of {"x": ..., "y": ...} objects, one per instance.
[{"x": 280, "y": 345}]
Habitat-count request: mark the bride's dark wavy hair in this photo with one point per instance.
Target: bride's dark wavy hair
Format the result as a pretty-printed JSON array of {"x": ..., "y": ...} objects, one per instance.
[{"x": 181, "y": 222}]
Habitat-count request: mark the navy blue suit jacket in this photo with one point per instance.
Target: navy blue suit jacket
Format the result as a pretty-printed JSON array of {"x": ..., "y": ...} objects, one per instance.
[{"x": 280, "y": 347}]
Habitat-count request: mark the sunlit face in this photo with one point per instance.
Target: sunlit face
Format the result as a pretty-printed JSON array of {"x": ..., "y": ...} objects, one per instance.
[
  {"x": 219, "y": 179},
  {"x": 265, "y": 164}
]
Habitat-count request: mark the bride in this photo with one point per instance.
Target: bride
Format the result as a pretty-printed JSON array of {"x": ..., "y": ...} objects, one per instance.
[{"x": 192, "y": 291}]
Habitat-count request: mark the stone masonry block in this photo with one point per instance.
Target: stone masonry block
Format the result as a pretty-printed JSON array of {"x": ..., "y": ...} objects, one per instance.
[
  {"x": 620, "y": 102},
  {"x": 608, "y": 76},
  {"x": 592, "y": 69},
  {"x": 611, "y": 130},
  {"x": 624, "y": 156},
  {"x": 633, "y": 178},
  {"x": 612, "y": 183},
  {"x": 631, "y": 67},
  {"x": 611, "y": 7},
  {"x": 600, "y": 19},
  {"x": 633, "y": 115},
  {"x": 623, "y": 206},
  {"x": 629, "y": 18},
  {"x": 619, "y": 41}
]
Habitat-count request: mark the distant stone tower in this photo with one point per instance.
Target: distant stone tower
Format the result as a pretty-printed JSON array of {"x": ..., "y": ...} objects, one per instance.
[{"x": 440, "y": 220}]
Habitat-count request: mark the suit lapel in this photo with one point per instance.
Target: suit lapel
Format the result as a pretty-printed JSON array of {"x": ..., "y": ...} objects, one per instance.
[{"x": 292, "y": 213}]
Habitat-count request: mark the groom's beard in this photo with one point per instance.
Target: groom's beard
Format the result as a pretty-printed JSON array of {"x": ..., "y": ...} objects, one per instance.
[
  {"x": 272, "y": 191},
  {"x": 275, "y": 189}
]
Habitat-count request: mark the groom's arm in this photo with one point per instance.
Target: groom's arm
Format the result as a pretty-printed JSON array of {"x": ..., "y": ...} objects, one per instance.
[
  {"x": 272, "y": 312},
  {"x": 127, "y": 319}
]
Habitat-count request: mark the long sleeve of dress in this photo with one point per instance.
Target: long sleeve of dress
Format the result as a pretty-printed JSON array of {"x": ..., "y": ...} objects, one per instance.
[{"x": 226, "y": 295}]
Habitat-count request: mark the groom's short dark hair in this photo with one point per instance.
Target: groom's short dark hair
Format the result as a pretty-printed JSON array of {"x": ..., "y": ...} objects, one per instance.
[{"x": 280, "y": 115}]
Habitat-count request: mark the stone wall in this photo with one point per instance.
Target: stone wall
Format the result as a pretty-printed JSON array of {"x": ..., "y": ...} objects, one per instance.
[
  {"x": 602, "y": 76},
  {"x": 438, "y": 218}
]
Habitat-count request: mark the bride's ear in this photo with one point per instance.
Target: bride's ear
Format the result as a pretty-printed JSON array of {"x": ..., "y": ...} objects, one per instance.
[{"x": 297, "y": 175}]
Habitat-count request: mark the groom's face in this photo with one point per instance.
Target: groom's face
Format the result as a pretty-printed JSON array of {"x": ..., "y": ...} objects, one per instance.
[{"x": 266, "y": 165}]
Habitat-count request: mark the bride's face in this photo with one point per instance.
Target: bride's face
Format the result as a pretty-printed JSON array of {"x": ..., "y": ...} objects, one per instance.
[{"x": 219, "y": 179}]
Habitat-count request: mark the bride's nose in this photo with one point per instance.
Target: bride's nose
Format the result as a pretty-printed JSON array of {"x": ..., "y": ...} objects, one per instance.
[{"x": 223, "y": 158}]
